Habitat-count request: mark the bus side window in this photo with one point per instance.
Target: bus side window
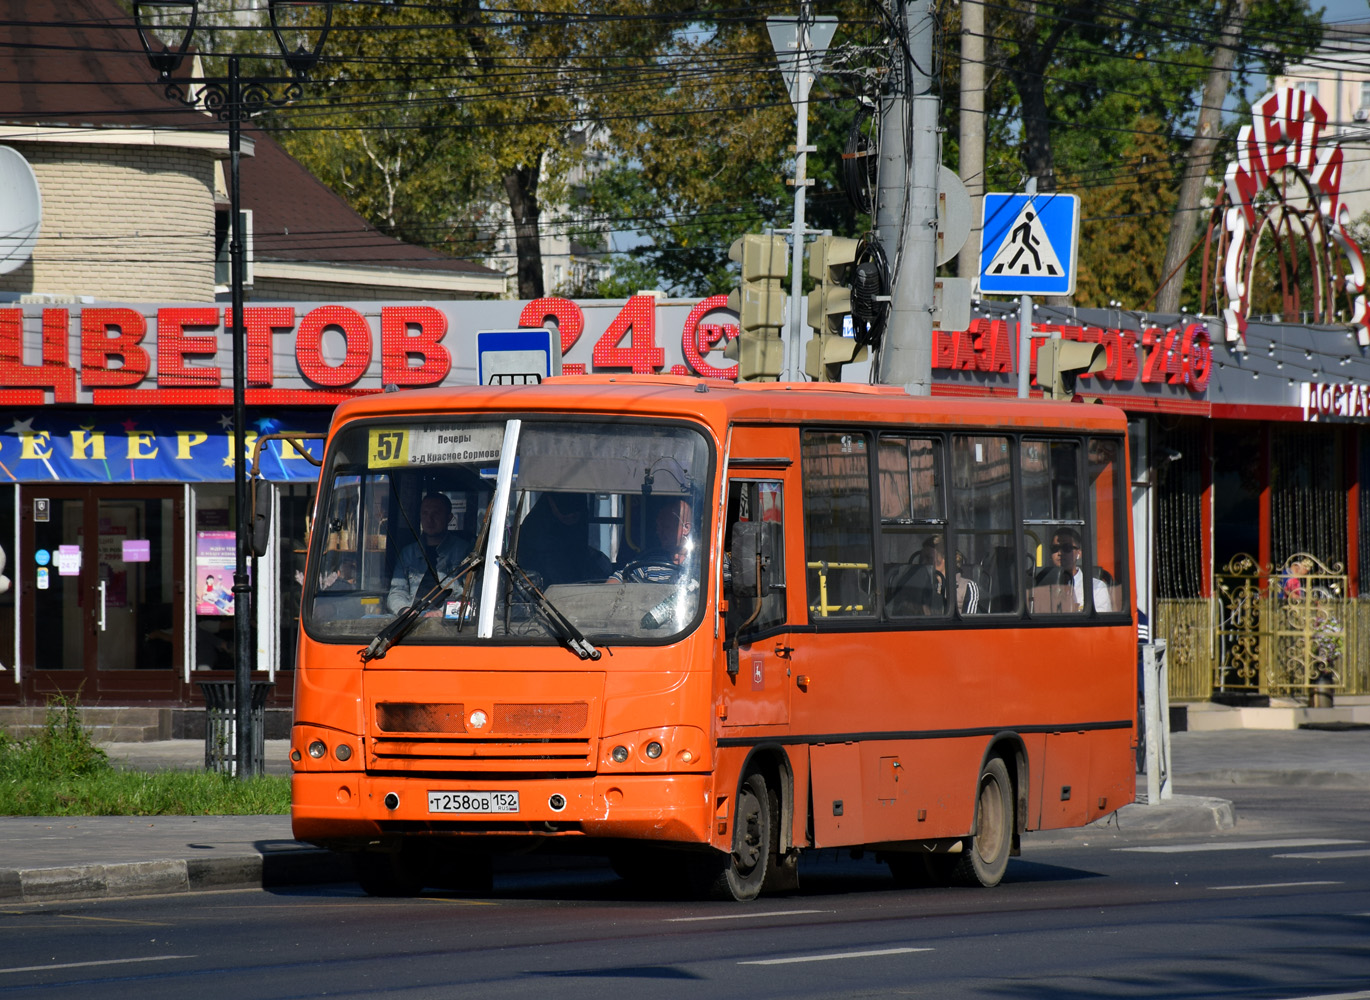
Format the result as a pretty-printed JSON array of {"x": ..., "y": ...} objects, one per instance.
[
  {"x": 918, "y": 577},
  {"x": 982, "y": 513},
  {"x": 839, "y": 561},
  {"x": 1053, "y": 521},
  {"x": 1107, "y": 514}
]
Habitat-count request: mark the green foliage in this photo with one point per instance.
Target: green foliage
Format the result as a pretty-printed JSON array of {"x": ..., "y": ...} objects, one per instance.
[
  {"x": 61, "y": 772},
  {"x": 1123, "y": 224},
  {"x": 141, "y": 793},
  {"x": 708, "y": 156},
  {"x": 61, "y": 749},
  {"x": 1101, "y": 102}
]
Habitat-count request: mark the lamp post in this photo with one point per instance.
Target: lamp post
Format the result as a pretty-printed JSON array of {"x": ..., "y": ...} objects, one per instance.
[{"x": 230, "y": 98}]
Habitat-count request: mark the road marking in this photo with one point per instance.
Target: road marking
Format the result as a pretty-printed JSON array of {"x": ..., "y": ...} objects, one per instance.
[
  {"x": 1361, "y": 995},
  {"x": 744, "y": 916},
  {"x": 1320, "y": 855},
  {"x": 1239, "y": 845},
  {"x": 1273, "y": 885},
  {"x": 115, "y": 920},
  {"x": 834, "y": 956},
  {"x": 87, "y": 965}
]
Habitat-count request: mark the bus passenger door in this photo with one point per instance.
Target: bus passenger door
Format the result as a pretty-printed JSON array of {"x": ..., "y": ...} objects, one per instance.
[{"x": 758, "y": 693}]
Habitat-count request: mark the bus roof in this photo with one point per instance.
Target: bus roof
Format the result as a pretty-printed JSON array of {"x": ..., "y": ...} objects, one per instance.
[{"x": 720, "y": 402}]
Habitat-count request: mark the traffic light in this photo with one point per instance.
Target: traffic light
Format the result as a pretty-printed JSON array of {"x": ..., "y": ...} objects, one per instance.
[
  {"x": 760, "y": 306},
  {"x": 1060, "y": 361},
  {"x": 827, "y": 351}
]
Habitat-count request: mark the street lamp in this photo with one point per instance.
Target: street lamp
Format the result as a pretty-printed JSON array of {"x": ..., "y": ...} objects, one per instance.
[{"x": 231, "y": 98}]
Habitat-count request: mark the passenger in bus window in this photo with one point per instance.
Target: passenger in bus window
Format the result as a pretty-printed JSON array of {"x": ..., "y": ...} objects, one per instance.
[
  {"x": 663, "y": 561},
  {"x": 920, "y": 588},
  {"x": 1065, "y": 570},
  {"x": 553, "y": 541},
  {"x": 967, "y": 590},
  {"x": 344, "y": 575},
  {"x": 436, "y": 549}
]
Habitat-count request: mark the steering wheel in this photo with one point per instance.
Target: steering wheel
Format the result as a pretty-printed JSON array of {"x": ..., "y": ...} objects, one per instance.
[{"x": 637, "y": 570}]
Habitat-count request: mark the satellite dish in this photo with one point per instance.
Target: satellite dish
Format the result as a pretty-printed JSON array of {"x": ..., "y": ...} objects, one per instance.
[{"x": 21, "y": 210}]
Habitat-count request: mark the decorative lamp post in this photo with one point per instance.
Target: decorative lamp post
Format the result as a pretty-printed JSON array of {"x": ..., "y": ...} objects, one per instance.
[{"x": 232, "y": 98}]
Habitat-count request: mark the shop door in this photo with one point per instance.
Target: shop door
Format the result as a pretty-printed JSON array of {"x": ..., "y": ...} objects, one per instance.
[{"x": 103, "y": 593}]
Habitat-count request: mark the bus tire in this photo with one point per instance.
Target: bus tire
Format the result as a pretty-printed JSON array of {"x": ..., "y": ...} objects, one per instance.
[
  {"x": 984, "y": 859},
  {"x": 739, "y": 874},
  {"x": 387, "y": 873}
]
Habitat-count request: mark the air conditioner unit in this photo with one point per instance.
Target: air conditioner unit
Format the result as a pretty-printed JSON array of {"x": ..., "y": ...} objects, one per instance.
[{"x": 1361, "y": 114}]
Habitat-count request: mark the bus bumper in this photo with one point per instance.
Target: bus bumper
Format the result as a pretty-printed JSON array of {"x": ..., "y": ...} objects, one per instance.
[{"x": 340, "y": 808}]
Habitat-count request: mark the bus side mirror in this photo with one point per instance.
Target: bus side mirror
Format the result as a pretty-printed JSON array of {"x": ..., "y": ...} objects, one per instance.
[
  {"x": 754, "y": 546},
  {"x": 261, "y": 516}
]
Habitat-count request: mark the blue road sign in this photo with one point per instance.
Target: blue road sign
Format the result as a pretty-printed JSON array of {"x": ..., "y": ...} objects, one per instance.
[
  {"x": 1029, "y": 243},
  {"x": 517, "y": 356}
]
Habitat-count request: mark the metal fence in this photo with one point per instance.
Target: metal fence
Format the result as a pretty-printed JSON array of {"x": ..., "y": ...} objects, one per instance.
[{"x": 1288, "y": 631}]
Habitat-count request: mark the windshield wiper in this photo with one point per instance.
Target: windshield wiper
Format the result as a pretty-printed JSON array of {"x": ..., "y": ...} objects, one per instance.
[
  {"x": 398, "y": 627},
  {"x": 401, "y": 625},
  {"x": 571, "y": 637}
]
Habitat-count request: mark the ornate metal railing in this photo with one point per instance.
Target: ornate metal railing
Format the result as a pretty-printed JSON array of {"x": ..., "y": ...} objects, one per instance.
[
  {"x": 1287, "y": 630},
  {"x": 1187, "y": 627}
]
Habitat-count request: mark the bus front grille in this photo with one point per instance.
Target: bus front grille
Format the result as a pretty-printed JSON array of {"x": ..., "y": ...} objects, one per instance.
[{"x": 439, "y": 754}]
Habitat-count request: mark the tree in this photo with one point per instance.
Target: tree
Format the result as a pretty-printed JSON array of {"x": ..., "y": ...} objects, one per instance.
[
  {"x": 712, "y": 157},
  {"x": 1076, "y": 88},
  {"x": 1123, "y": 222}
]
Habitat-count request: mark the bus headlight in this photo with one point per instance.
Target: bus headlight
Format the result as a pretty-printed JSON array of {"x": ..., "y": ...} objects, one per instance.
[
  {"x": 343, "y": 752},
  {"x": 620, "y": 754},
  {"x": 317, "y": 749},
  {"x": 654, "y": 749}
]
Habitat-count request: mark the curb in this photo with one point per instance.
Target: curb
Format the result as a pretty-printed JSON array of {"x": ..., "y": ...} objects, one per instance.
[
  {"x": 1196, "y": 814},
  {"x": 1319, "y": 779},
  {"x": 304, "y": 866}
]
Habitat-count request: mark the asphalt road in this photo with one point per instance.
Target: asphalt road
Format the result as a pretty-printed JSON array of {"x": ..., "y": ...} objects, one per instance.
[{"x": 1277, "y": 908}]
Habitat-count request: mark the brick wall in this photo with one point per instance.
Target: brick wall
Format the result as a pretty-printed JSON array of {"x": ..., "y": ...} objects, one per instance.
[{"x": 126, "y": 222}]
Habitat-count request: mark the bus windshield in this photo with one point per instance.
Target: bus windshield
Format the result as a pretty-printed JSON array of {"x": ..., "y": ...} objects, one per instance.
[{"x": 465, "y": 530}]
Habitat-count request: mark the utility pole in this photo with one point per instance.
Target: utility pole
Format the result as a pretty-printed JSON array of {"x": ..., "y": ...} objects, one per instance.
[
  {"x": 796, "y": 44},
  {"x": 972, "y": 131},
  {"x": 906, "y": 211}
]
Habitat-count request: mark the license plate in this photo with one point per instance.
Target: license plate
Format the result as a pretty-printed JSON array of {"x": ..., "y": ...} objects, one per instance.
[{"x": 473, "y": 802}]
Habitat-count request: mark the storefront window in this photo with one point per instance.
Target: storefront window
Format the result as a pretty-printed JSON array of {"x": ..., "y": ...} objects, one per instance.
[
  {"x": 215, "y": 559},
  {"x": 1307, "y": 499}
]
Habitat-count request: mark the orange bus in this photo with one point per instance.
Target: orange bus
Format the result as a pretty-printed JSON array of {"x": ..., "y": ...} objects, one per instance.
[{"x": 701, "y": 628}]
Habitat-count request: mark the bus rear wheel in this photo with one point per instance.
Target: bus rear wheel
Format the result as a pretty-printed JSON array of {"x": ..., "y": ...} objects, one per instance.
[
  {"x": 985, "y": 859},
  {"x": 739, "y": 874}
]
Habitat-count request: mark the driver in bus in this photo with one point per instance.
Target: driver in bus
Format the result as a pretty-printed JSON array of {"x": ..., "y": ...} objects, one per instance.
[
  {"x": 663, "y": 561},
  {"x": 437, "y": 549}
]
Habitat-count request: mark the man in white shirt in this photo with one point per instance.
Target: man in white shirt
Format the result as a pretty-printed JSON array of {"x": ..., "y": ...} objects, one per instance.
[{"x": 1065, "y": 553}]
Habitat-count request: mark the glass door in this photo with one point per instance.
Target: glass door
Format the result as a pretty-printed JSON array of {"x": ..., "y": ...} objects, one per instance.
[{"x": 102, "y": 579}]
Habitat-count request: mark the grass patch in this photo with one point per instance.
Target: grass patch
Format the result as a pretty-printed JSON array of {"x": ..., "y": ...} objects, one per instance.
[{"x": 61, "y": 772}]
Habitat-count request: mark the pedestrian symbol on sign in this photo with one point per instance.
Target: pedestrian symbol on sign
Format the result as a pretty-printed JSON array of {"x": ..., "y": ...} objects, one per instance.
[
  {"x": 1027, "y": 252},
  {"x": 1029, "y": 244}
]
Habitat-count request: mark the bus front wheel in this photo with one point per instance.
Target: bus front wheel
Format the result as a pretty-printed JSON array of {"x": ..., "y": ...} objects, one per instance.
[
  {"x": 985, "y": 858},
  {"x": 739, "y": 874}
]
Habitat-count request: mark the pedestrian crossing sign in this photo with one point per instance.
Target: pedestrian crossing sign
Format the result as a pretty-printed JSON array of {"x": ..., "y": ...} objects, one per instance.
[{"x": 1028, "y": 244}]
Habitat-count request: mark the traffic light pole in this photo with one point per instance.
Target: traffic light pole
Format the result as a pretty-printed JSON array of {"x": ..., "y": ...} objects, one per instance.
[
  {"x": 1025, "y": 323},
  {"x": 906, "y": 213},
  {"x": 803, "y": 86}
]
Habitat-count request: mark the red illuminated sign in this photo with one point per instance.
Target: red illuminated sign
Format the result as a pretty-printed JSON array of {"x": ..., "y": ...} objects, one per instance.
[
  {"x": 1153, "y": 356},
  {"x": 321, "y": 355}
]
